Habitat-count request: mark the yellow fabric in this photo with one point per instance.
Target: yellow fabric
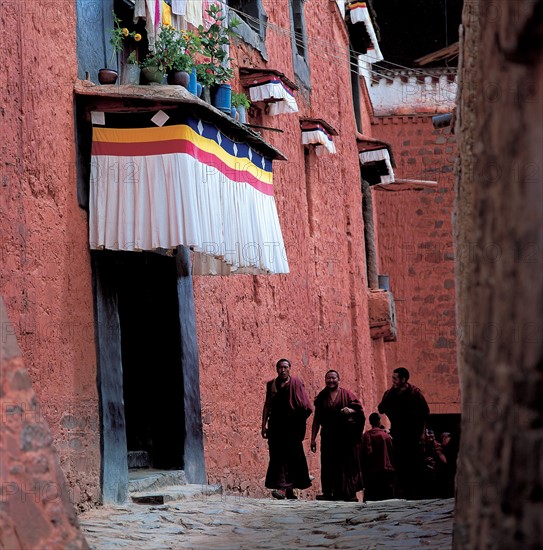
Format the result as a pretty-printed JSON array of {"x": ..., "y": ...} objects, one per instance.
[
  {"x": 166, "y": 14},
  {"x": 178, "y": 132}
]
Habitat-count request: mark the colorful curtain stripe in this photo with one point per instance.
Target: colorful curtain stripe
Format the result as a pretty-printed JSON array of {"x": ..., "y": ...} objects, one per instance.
[
  {"x": 317, "y": 135},
  {"x": 273, "y": 90},
  {"x": 359, "y": 14},
  {"x": 185, "y": 184}
]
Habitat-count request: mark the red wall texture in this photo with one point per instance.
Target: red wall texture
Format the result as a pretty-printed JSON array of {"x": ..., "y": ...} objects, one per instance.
[
  {"x": 415, "y": 247},
  {"x": 35, "y": 507},
  {"x": 45, "y": 277},
  {"x": 317, "y": 315}
]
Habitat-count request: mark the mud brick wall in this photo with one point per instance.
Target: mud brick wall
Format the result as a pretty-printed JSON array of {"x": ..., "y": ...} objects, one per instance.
[
  {"x": 415, "y": 248},
  {"x": 35, "y": 506}
]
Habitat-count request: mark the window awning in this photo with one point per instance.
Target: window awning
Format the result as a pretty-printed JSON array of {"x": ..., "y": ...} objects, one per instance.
[
  {"x": 318, "y": 132},
  {"x": 376, "y": 160},
  {"x": 359, "y": 13},
  {"x": 185, "y": 183},
  {"x": 271, "y": 87}
]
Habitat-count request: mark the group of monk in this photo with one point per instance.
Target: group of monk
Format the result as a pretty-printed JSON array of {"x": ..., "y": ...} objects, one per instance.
[{"x": 383, "y": 463}]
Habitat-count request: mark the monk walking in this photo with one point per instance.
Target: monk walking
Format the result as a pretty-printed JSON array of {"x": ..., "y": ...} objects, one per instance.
[
  {"x": 340, "y": 414},
  {"x": 284, "y": 419}
]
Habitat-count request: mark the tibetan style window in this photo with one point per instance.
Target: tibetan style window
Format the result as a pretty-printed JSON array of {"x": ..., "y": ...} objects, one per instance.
[
  {"x": 317, "y": 134},
  {"x": 363, "y": 34},
  {"x": 182, "y": 174},
  {"x": 270, "y": 88},
  {"x": 253, "y": 22},
  {"x": 376, "y": 162},
  {"x": 299, "y": 41}
]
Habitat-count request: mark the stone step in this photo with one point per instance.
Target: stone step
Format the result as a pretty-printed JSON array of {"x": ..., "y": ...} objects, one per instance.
[
  {"x": 176, "y": 492},
  {"x": 151, "y": 480}
]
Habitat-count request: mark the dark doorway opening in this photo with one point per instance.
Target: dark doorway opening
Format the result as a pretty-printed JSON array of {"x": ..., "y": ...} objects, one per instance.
[
  {"x": 440, "y": 423},
  {"x": 146, "y": 288},
  {"x": 147, "y": 366}
]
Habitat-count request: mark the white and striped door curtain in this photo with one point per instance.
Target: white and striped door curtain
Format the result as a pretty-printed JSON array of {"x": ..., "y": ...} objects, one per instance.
[
  {"x": 317, "y": 135},
  {"x": 359, "y": 14},
  {"x": 272, "y": 90},
  {"x": 185, "y": 183}
]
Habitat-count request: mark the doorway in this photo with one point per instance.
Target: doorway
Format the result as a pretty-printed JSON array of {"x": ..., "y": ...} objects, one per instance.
[
  {"x": 151, "y": 359},
  {"x": 148, "y": 375}
]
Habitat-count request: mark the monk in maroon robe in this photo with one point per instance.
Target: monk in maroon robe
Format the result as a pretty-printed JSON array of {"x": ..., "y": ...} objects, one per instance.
[
  {"x": 284, "y": 418},
  {"x": 339, "y": 413},
  {"x": 407, "y": 411},
  {"x": 377, "y": 462}
]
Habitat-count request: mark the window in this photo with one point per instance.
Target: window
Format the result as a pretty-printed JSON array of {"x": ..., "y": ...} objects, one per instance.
[
  {"x": 252, "y": 29},
  {"x": 299, "y": 41}
]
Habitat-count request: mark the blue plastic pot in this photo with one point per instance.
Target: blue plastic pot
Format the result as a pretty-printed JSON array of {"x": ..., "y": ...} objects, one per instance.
[
  {"x": 222, "y": 98},
  {"x": 192, "y": 88}
]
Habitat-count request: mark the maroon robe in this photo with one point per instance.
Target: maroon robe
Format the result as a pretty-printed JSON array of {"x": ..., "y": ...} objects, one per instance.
[
  {"x": 377, "y": 465},
  {"x": 289, "y": 408},
  {"x": 407, "y": 412},
  {"x": 341, "y": 436}
]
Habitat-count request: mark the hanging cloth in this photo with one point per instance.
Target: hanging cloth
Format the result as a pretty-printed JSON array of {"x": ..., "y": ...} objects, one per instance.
[
  {"x": 179, "y": 7},
  {"x": 194, "y": 12}
]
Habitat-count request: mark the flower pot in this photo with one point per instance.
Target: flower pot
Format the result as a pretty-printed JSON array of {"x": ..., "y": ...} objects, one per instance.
[
  {"x": 199, "y": 89},
  {"x": 242, "y": 112},
  {"x": 222, "y": 98},
  {"x": 179, "y": 78},
  {"x": 107, "y": 76},
  {"x": 153, "y": 75},
  {"x": 234, "y": 113},
  {"x": 130, "y": 74},
  {"x": 193, "y": 84},
  {"x": 206, "y": 94}
]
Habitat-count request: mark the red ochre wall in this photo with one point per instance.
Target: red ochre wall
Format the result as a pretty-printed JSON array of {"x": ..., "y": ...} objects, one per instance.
[
  {"x": 317, "y": 315},
  {"x": 45, "y": 276},
  {"x": 415, "y": 247}
]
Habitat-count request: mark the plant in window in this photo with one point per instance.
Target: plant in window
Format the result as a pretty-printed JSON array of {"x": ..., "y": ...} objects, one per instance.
[
  {"x": 118, "y": 34},
  {"x": 189, "y": 44},
  {"x": 117, "y": 37}
]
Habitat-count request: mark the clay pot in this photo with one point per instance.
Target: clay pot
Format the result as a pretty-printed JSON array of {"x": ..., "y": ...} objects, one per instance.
[
  {"x": 179, "y": 78},
  {"x": 153, "y": 75},
  {"x": 107, "y": 76}
]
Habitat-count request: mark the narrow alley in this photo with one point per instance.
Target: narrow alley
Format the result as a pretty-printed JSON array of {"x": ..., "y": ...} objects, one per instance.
[{"x": 229, "y": 522}]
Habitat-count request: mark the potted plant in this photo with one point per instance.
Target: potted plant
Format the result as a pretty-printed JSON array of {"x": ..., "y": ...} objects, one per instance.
[
  {"x": 118, "y": 34},
  {"x": 182, "y": 48},
  {"x": 131, "y": 71},
  {"x": 213, "y": 72},
  {"x": 152, "y": 69},
  {"x": 241, "y": 103}
]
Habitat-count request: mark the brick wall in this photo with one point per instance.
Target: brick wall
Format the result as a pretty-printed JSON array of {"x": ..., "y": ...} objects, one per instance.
[{"x": 415, "y": 247}]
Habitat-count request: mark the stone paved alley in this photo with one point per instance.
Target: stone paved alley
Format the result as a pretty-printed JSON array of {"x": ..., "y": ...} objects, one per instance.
[{"x": 228, "y": 522}]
